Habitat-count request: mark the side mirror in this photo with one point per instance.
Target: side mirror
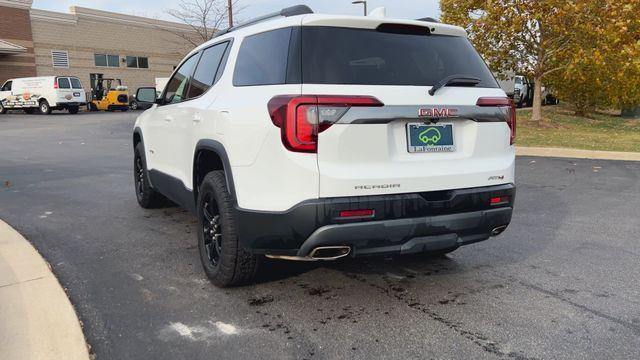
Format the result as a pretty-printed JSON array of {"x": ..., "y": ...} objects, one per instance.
[{"x": 146, "y": 95}]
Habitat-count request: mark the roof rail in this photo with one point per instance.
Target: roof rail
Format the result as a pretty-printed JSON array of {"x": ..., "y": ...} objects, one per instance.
[
  {"x": 428, "y": 19},
  {"x": 286, "y": 12}
]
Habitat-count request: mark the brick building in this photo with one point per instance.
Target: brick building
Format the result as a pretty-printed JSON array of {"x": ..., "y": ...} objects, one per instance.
[
  {"x": 16, "y": 40},
  {"x": 85, "y": 41}
]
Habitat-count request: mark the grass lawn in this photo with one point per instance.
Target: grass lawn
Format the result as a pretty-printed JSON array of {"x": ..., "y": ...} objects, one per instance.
[{"x": 561, "y": 128}]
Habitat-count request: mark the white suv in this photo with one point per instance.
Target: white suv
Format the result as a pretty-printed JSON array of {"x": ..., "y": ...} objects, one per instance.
[{"x": 314, "y": 137}]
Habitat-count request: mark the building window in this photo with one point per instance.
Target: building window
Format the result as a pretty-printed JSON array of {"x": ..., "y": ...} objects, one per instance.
[
  {"x": 137, "y": 62},
  {"x": 60, "y": 59},
  {"x": 107, "y": 60}
]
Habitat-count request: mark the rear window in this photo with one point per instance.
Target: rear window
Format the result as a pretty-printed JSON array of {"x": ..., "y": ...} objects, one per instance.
[
  {"x": 63, "y": 83},
  {"x": 262, "y": 59},
  {"x": 334, "y": 55},
  {"x": 75, "y": 83}
]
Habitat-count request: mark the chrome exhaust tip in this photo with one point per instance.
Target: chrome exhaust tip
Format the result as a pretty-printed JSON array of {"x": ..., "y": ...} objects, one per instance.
[
  {"x": 330, "y": 252},
  {"x": 497, "y": 231},
  {"x": 321, "y": 253}
]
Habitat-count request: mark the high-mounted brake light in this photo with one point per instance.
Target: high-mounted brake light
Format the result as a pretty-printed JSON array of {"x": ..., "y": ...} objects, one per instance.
[
  {"x": 502, "y": 102},
  {"x": 302, "y": 117}
]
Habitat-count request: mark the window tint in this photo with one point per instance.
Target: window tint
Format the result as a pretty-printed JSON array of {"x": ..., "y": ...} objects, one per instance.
[
  {"x": 205, "y": 73},
  {"x": 63, "y": 83},
  {"x": 113, "y": 60},
  {"x": 332, "y": 55},
  {"x": 106, "y": 60},
  {"x": 7, "y": 86},
  {"x": 137, "y": 62},
  {"x": 262, "y": 59},
  {"x": 75, "y": 83},
  {"x": 100, "y": 59},
  {"x": 143, "y": 63},
  {"x": 132, "y": 61},
  {"x": 223, "y": 64},
  {"x": 176, "y": 88}
]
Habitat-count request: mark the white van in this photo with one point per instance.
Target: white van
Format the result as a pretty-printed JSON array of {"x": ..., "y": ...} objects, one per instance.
[{"x": 43, "y": 93}]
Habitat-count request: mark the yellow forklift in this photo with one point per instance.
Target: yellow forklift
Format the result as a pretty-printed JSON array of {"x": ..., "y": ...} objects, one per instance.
[{"x": 107, "y": 94}]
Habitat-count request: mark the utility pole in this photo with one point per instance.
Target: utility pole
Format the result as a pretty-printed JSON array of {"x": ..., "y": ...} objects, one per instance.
[
  {"x": 230, "y": 7},
  {"x": 363, "y": 2}
]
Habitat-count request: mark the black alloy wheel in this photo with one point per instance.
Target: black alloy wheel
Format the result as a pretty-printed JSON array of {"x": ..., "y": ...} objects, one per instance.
[
  {"x": 211, "y": 229},
  {"x": 139, "y": 177}
]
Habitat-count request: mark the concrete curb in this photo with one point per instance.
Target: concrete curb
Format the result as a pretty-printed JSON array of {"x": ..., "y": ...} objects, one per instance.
[
  {"x": 37, "y": 320},
  {"x": 578, "y": 154}
]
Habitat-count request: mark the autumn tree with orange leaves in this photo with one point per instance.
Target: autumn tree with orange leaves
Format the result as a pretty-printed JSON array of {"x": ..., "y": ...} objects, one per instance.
[
  {"x": 585, "y": 49},
  {"x": 602, "y": 67}
]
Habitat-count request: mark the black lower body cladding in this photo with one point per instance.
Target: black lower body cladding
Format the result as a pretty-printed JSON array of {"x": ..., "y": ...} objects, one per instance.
[{"x": 402, "y": 223}]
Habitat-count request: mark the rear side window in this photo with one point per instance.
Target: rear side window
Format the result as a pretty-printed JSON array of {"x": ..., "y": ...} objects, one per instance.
[
  {"x": 334, "y": 55},
  {"x": 262, "y": 59},
  {"x": 176, "y": 88},
  {"x": 63, "y": 83},
  {"x": 75, "y": 83},
  {"x": 209, "y": 65}
]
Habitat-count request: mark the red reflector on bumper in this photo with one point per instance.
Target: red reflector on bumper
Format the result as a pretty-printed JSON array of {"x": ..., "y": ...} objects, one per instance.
[
  {"x": 356, "y": 213},
  {"x": 499, "y": 200}
]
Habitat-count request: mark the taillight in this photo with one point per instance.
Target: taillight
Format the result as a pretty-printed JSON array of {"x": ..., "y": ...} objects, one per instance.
[
  {"x": 502, "y": 102},
  {"x": 302, "y": 117},
  {"x": 55, "y": 83}
]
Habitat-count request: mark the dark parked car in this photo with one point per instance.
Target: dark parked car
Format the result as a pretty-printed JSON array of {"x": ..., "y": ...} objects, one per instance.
[{"x": 135, "y": 105}]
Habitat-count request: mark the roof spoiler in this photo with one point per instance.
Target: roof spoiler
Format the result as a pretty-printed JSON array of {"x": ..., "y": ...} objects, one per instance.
[
  {"x": 428, "y": 19},
  {"x": 286, "y": 12}
]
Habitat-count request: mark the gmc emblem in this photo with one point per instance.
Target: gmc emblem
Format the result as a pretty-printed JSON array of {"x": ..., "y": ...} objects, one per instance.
[{"x": 438, "y": 113}]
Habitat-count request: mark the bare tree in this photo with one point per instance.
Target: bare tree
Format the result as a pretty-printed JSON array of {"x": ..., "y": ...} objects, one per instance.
[{"x": 204, "y": 17}]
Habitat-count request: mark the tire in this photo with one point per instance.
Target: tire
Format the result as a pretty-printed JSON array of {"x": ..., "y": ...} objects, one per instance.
[
  {"x": 3, "y": 110},
  {"x": 92, "y": 107},
  {"x": 44, "y": 107},
  {"x": 73, "y": 109},
  {"x": 134, "y": 105},
  {"x": 224, "y": 261},
  {"x": 147, "y": 197}
]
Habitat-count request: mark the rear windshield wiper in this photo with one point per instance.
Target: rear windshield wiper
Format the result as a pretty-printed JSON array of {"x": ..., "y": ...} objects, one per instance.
[{"x": 454, "y": 79}]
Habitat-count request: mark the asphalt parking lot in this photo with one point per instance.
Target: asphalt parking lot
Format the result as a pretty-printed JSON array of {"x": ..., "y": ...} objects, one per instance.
[{"x": 560, "y": 283}]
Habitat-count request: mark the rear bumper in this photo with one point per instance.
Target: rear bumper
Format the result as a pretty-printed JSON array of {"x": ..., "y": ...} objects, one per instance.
[{"x": 404, "y": 223}]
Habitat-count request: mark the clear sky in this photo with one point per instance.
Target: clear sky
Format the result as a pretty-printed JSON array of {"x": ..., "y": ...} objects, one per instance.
[{"x": 409, "y": 9}]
